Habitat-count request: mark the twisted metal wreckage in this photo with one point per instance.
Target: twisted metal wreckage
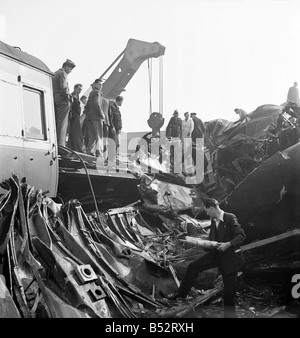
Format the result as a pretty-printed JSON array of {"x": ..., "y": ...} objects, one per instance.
[
  {"x": 61, "y": 261},
  {"x": 65, "y": 258}
]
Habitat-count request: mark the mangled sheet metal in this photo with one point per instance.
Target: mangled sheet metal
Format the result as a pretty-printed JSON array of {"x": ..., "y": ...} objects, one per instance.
[
  {"x": 57, "y": 261},
  {"x": 234, "y": 160},
  {"x": 217, "y": 131},
  {"x": 29, "y": 237},
  {"x": 258, "y": 121},
  {"x": 113, "y": 184},
  {"x": 169, "y": 198},
  {"x": 60, "y": 262},
  {"x": 80, "y": 277},
  {"x": 165, "y": 196},
  {"x": 267, "y": 201},
  {"x": 116, "y": 185},
  {"x": 243, "y": 147}
]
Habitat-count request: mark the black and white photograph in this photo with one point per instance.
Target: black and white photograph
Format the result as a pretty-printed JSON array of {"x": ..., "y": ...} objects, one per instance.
[{"x": 150, "y": 162}]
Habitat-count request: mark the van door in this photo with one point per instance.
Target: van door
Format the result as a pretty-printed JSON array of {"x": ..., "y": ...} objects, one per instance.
[{"x": 40, "y": 150}]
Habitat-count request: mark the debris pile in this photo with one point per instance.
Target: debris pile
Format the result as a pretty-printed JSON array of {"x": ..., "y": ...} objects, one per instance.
[
  {"x": 237, "y": 148},
  {"x": 71, "y": 260},
  {"x": 57, "y": 261}
]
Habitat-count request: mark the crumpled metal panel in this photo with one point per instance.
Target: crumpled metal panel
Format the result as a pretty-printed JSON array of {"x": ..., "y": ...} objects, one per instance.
[
  {"x": 166, "y": 197},
  {"x": 267, "y": 201}
]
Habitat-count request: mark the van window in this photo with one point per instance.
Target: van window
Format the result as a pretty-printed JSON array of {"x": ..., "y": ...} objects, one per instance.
[{"x": 34, "y": 114}]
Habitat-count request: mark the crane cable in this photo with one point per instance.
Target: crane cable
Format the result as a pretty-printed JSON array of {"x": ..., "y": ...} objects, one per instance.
[
  {"x": 150, "y": 84},
  {"x": 161, "y": 82}
]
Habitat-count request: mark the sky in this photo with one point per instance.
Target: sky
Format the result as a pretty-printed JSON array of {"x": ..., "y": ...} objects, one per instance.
[{"x": 220, "y": 54}]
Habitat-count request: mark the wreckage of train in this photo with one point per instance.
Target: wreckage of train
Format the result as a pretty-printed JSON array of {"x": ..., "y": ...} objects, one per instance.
[{"x": 63, "y": 257}]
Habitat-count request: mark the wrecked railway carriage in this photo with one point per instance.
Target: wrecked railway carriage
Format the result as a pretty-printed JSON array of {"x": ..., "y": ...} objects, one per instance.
[
  {"x": 113, "y": 250},
  {"x": 58, "y": 260}
]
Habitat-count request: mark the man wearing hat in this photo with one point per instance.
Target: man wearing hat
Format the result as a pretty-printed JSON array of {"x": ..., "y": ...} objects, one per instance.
[
  {"x": 199, "y": 128},
  {"x": 62, "y": 100},
  {"x": 174, "y": 126}
]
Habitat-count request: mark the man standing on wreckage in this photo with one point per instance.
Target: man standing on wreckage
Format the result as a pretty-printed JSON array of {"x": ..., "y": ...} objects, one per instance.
[{"x": 226, "y": 235}]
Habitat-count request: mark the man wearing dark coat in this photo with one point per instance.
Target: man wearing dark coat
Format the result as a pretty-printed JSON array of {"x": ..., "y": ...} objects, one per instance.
[
  {"x": 115, "y": 119},
  {"x": 227, "y": 235},
  {"x": 75, "y": 134},
  {"x": 174, "y": 126},
  {"x": 199, "y": 128},
  {"x": 94, "y": 120},
  {"x": 62, "y": 100},
  {"x": 198, "y": 132}
]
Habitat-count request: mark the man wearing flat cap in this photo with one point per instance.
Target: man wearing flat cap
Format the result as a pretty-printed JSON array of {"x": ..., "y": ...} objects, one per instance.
[{"x": 62, "y": 100}]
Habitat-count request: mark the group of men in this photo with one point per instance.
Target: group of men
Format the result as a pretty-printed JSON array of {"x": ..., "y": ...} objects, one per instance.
[
  {"x": 189, "y": 127},
  {"x": 84, "y": 123},
  {"x": 192, "y": 126}
]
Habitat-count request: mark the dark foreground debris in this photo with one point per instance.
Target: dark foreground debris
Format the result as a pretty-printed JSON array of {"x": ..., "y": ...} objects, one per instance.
[{"x": 57, "y": 261}]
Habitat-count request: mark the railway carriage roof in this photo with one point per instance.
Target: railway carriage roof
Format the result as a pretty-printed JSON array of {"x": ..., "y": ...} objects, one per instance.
[{"x": 25, "y": 58}]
